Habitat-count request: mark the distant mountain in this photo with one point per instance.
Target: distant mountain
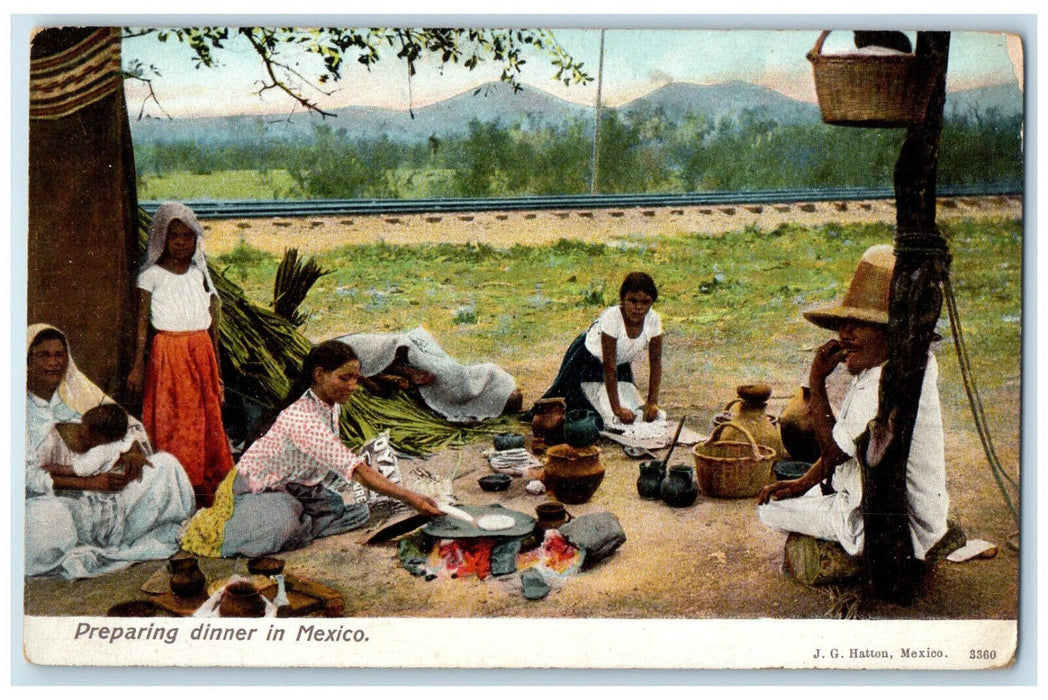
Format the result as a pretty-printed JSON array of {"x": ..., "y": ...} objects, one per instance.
[
  {"x": 528, "y": 108},
  {"x": 1007, "y": 99},
  {"x": 491, "y": 102},
  {"x": 723, "y": 100}
]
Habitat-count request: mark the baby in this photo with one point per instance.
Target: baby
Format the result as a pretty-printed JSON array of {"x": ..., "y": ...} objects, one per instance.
[{"x": 102, "y": 440}]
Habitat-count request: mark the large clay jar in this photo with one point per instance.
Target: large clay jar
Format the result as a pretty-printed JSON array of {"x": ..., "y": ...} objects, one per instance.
[
  {"x": 241, "y": 599},
  {"x": 187, "y": 580},
  {"x": 573, "y": 474},
  {"x": 795, "y": 428},
  {"x": 750, "y": 411},
  {"x": 649, "y": 483},
  {"x": 547, "y": 422},
  {"x": 679, "y": 489},
  {"x": 580, "y": 428}
]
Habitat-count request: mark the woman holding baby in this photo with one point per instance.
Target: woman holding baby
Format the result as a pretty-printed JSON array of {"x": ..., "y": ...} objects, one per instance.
[{"x": 96, "y": 500}]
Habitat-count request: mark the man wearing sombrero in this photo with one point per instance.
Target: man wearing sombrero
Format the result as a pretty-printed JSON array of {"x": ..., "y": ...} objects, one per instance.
[{"x": 834, "y": 512}]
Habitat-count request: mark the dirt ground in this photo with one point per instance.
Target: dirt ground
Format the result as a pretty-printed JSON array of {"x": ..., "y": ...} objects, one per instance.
[{"x": 711, "y": 560}]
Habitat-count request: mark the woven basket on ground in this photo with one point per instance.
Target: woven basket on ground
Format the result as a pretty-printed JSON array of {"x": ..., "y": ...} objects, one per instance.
[
  {"x": 729, "y": 469},
  {"x": 870, "y": 90}
]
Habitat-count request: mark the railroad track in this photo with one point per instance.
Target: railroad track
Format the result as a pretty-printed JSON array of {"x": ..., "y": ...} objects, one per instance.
[{"x": 246, "y": 209}]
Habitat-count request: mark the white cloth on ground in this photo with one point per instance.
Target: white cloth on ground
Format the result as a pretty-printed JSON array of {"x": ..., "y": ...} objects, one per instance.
[
  {"x": 460, "y": 393},
  {"x": 838, "y": 516},
  {"x": 210, "y": 606},
  {"x": 629, "y": 397}
]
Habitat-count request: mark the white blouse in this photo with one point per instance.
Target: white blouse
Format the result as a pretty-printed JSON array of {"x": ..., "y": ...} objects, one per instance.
[
  {"x": 178, "y": 302},
  {"x": 626, "y": 348}
]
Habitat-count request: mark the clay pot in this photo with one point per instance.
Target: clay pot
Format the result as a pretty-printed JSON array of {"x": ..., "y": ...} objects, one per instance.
[
  {"x": 547, "y": 422},
  {"x": 573, "y": 474},
  {"x": 580, "y": 428},
  {"x": 679, "y": 489},
  {"x": 795, "y": 428},
  {"x": 241, "y": 599},
  {"x": 749, "y": 411},
  {"x": 187, "y": 580},
  {"x": 495, "y": 482},
  {"x": 551, "y": 516},
  {"x": 649, "y": 483},
  {"x": 508, "y": 441},
  {"x": 133, "y": 608},
  {"x": 265, "y": 566}
]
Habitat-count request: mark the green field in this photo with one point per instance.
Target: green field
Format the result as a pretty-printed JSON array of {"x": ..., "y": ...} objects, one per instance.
[
  {"x": 731, "y": 304},
  {"x": 270, "y": 184},
  {"x": 219, "y": 185}
]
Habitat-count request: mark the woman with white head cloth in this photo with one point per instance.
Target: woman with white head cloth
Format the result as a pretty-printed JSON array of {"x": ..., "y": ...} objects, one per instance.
[
  {"x": 181, "y": 384},
  {"x": 78, "y": 527}
]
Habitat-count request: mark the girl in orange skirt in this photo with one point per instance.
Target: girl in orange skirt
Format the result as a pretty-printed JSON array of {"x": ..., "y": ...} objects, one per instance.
[{"x": 183, "y": 390}]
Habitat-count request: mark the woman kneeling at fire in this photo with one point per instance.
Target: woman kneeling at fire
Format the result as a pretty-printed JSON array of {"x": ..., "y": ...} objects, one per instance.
[{"x": 276, "y": 498}]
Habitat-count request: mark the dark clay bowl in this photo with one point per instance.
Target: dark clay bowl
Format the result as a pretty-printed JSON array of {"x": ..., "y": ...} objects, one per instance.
[
  {"x": 495, "y": 482},
  {"x": 787, "y": 470},
  {"x": 265, "y": 566},
  {"x": 508, "y": 441},
  {"x": 134, "y": 608}
]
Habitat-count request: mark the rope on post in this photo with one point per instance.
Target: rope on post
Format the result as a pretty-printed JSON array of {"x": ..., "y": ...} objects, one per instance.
[
  {"x": 999, "y": 474},
  {"x": 934, "y": 245}
]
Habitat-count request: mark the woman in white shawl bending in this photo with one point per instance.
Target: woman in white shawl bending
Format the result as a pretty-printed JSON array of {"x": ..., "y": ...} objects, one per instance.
[{"x": 78, "y": 527}]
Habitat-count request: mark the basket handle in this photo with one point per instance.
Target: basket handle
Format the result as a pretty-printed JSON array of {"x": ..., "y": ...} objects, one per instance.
[
  {"x": 731, "y": 403},
  {"x": 720, "y": 428},
  {"x": 817, "y": 49}
]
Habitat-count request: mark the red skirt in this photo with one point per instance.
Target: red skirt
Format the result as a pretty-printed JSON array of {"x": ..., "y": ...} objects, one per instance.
[{"x": 182, "y": 408}]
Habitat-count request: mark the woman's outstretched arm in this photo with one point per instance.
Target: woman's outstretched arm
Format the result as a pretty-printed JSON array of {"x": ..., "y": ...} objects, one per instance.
[
  {"x": 609, "y": 358},
  {"x": 651, "y": 407},
  {"x": 372, "y": 479}
]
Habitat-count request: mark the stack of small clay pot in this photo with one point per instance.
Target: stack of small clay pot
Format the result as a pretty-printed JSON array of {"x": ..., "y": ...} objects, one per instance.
[{"x": 676, "y": 488}]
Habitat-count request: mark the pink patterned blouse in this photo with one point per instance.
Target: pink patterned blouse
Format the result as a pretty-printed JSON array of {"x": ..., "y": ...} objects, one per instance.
[{"x": 302, "y": 446}]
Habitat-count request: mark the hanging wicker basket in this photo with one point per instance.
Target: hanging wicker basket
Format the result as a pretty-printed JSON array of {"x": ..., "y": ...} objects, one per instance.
[
  {"x": 870, "y": 90},
  {"x": 731, "y": 469}
]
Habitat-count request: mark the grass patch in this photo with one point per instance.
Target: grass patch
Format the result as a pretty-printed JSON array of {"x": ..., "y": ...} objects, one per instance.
[
  {"x": 222, "y": 184},
  {"x": 243, "y": 258},
  {"x": 731, "y": 304}
]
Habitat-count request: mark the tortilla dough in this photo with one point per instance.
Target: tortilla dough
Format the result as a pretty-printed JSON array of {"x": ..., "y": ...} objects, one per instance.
[{"x": 495, "y": 522}]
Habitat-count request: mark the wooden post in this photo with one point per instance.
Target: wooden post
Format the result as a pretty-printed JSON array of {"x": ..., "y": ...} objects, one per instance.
[
  {"x": 82, "y": 246},
  {"x": 922, "y": 257}
]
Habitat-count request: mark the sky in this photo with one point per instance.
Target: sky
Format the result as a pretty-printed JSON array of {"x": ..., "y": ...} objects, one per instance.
[{"x": 636, "y": 61}]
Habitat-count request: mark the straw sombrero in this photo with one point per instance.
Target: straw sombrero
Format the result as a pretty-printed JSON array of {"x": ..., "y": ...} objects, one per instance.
[{"x": 867, "y": 297}]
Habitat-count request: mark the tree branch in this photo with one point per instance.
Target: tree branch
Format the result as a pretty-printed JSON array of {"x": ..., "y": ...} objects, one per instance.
[
  {"x": 266, "y": 54},
  {"x": 468, "y": 46}
]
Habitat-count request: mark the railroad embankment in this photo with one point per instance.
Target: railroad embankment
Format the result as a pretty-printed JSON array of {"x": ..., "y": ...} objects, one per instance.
[{"x": 503, "y": 229}]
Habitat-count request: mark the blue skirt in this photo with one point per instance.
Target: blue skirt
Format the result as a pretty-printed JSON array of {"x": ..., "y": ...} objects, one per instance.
[
  {"x": 579, "y": 365},
  {"x": 281, "y": 520}
]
